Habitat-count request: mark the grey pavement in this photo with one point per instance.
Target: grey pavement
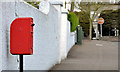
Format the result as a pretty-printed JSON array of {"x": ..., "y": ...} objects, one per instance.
[{"x": 91, "y": 55}]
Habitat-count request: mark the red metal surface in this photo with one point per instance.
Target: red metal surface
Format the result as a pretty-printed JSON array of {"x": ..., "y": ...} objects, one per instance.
[
  {"x": 101, "y": 20},
  {"x": 21, "y": 36}
]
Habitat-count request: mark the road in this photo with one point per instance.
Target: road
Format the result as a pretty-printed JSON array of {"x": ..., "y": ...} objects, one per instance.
[{"x": 91, "y": 55}]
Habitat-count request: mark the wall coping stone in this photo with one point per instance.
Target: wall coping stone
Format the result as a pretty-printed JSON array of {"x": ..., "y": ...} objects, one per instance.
[{"x": 56, "y": 3}]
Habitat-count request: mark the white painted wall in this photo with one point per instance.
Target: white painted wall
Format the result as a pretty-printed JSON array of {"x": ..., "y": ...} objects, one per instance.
[
  {"x": 8, "y": 14},
  {"x": 46, "y": 50},
  {"x": 0, "y": 37},
  {"x": 63, "y": 35},
  {"x": 71, "y": 38},
  {"x": 67, "y": 38},
  {"x": 49, "y": 33},
  {"x": 58, "y": 8}
]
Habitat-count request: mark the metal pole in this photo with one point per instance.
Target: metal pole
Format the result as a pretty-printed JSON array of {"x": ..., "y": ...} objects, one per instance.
[
  {"x": 115, "y": 32},
  {"x": 109, "y": 31},
  {"x": 21, "y": 63},
  {"x": 97, "y": 32},
  {"x": 101, "y": 29}
]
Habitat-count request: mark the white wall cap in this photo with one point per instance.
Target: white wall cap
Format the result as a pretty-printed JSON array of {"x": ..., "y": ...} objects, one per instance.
[
  {"x": 73, "y": 33},
  {"x": 56, "y": 3},
  {"x": 65, "y": 11},
  {"x": 44, "y": 7}
]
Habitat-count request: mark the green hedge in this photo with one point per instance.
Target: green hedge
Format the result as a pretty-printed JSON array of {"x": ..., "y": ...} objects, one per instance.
[
  {"x": 74, "y": 20},
  {"x": 34, "y": 4}
]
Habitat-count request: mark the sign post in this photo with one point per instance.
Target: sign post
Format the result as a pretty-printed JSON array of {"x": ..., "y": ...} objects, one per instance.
[
  {"x": 101, "y": 29},
  {"x": 101, "y": 21}
]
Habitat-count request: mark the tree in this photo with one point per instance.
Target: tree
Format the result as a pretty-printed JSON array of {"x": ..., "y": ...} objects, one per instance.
[
  {"x": 83, "y": 22},
  {"x": 112, "y": 21},
  {"x": 72, "y": 5},
  {"x": 88, "y": 7}
]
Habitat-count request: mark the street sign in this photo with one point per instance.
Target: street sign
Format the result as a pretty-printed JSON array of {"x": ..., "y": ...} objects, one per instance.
[{"x": 101, "y": 20}]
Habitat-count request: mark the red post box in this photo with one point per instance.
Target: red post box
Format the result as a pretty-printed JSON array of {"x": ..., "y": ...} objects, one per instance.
[{"x": 21, "y": 36}]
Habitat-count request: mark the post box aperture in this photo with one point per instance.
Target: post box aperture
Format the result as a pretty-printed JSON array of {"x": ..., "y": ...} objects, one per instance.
[{"x": 21, "y": 36}]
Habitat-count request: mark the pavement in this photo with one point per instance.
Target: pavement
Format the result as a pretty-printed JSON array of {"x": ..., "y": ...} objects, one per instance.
[
  {"x": 110, "y": 38},
  {"x": 91, "y": 55}
]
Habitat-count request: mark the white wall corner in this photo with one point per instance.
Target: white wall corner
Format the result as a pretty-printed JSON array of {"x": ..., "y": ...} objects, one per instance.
[
  {"x": 73, "y": 33},
  {"x": 44, "y": 7},
  {"x": 56, "y": 3},
  {"x": 65, "y": 11}
]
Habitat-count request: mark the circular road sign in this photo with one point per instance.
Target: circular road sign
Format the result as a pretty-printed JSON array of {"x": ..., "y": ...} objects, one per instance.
[{"x": 101, "y": 20}]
